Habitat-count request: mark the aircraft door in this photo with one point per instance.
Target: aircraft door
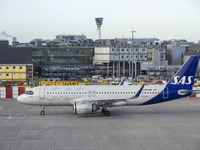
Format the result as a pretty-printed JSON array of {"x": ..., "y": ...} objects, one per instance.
[
  {"x": 41, "y": 93},
  {"x": 165, "y": 92}
]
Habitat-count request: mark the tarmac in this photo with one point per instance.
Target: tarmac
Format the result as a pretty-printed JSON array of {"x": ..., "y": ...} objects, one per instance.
[{"x": 173, "y": 125}]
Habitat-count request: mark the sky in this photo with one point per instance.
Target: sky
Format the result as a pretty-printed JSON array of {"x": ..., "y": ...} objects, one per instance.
[{"x": 44, "y": 19}]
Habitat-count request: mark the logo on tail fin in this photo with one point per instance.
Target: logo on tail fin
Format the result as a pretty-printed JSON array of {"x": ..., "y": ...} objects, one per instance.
[
  {"x": 184, "y": 77},
  {"x": 182, "y": 80}
]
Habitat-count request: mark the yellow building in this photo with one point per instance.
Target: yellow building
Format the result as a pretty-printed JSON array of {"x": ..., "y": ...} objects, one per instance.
[{"x": 16, "y": 72}]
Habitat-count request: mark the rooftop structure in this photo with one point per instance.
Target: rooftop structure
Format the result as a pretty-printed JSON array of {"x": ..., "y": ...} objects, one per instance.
[{"x": 70, "y": 37}]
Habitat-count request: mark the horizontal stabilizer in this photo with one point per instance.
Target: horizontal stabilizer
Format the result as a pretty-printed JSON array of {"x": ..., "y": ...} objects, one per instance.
[{"x": 184, "y": 92}]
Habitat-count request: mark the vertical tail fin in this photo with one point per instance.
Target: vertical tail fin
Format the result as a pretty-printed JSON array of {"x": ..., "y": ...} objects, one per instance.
[
  {"x": 184, "y": 78},
  {"x": 180, "y": 84}
]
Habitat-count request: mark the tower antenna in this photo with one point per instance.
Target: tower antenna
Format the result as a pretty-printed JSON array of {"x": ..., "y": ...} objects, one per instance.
[{"x": 132, "y": 35}]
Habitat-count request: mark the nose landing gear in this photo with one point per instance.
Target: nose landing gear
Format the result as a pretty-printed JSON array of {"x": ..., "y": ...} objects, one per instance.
[{"x": 42, "y": 111}]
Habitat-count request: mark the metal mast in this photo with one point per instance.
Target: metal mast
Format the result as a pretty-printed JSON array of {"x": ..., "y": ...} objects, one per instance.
[{"x": 132, "y": 54}]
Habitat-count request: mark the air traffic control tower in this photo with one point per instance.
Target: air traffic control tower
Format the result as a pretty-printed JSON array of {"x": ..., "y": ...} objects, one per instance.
[{"x": 99, "y": 23}]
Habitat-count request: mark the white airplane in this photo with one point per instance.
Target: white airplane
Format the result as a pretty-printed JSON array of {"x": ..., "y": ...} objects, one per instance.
[{"x": 90, "y": 98}]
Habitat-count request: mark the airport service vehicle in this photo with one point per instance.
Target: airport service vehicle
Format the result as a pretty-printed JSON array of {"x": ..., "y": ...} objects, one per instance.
[{"x": 88, "y": 99}]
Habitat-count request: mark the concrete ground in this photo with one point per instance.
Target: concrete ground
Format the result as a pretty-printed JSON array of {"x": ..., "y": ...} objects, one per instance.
[{"x": 168, "y": 126}]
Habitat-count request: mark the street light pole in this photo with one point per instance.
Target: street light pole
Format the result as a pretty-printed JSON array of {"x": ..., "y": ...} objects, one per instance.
[{"x": 132, "y": 52}]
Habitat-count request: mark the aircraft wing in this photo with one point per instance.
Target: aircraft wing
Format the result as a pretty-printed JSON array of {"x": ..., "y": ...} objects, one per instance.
[
  {"x": 109, "y": 100},
  {"x": 195, "y": 92},
  {"x": 106, "y": 100}
]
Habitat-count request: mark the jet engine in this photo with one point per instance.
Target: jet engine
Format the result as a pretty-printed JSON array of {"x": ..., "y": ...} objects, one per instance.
[{"x": 83, "y": 108}]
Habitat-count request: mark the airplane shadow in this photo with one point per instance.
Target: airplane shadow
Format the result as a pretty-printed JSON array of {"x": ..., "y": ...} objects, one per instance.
[{"x": 119, "y": 113}]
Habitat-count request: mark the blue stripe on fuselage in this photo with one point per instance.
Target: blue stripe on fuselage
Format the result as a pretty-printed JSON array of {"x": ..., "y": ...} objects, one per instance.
[{"x": 160, "y": 99}]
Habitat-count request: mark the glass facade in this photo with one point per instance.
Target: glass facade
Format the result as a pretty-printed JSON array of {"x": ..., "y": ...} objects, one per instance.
[
  {"x": 65, "y": 63},
  {"x": 63, "y": 56}
]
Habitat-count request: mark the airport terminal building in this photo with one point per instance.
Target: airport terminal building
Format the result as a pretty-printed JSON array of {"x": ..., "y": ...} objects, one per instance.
[
  {"x": 63, "y": 62},
  {"x": 15, "y": 63},
  {"x": 109, "y": 58},
  {"x": 130, "y": 61},
  {"x": 48, "y": 62}
]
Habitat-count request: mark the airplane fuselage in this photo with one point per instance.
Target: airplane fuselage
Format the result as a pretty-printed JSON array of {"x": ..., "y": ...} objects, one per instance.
[{"x": 67, "y": 95}]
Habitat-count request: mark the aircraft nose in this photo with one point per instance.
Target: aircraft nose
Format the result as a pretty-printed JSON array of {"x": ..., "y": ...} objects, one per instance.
[{"x": 20, "y": 99}]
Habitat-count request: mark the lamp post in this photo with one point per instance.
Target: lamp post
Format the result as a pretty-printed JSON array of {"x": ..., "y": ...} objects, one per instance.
[{"x": 132, "y": 52}]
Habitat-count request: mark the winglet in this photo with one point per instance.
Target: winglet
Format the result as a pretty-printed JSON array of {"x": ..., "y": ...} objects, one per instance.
[
  {"x": 138, "y": 93},
  {"x": 122, "y": 82}
]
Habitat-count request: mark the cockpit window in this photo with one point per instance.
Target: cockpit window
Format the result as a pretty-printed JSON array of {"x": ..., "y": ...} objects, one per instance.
[{"x": 29, "y": 92}]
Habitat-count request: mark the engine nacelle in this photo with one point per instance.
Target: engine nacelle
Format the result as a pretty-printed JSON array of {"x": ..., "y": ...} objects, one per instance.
[{"x": 83, "y": 108}]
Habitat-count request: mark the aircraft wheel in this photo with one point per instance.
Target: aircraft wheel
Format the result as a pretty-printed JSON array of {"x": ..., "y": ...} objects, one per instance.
[
  {"x": 103, "y": 111},
  {"x": 42, "y": 113},
  {"x": 107, "y": 113}
]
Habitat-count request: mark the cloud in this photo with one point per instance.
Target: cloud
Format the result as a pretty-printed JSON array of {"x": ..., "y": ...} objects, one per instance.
[{"x": 3, "y": 33}]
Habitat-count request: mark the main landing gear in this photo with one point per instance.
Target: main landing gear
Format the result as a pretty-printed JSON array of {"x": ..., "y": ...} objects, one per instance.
[
  {"x": 105, "y": 112},
  {"x": 42, "y": 111}
]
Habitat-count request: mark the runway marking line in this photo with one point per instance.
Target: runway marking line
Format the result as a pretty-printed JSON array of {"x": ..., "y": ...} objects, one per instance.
[{"x": 10, "y": 117}]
